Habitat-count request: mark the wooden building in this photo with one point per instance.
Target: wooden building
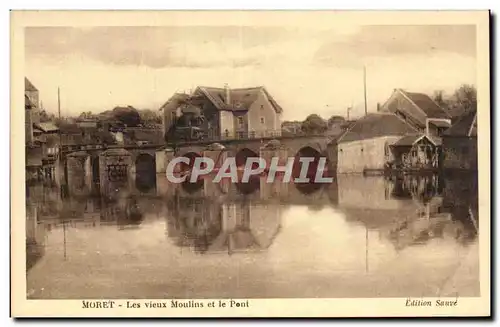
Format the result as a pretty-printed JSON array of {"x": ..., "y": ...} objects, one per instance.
[
  {"x": 460, "y": 144},
  {"x": 416, "y": 152}
]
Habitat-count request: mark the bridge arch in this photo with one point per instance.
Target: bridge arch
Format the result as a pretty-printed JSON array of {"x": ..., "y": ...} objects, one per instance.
[
  {"x": 145, "y": 172},
  {"x": 242, "y": 156},
  {"x": 306, "y": 152},
  {"x": 249, "y": 187},
  {"x": 191, "y": 188},
  {"x": 308, "y": 188},
  {"x": 185, "y": 167},
  {"x": 95, "y": 167}
]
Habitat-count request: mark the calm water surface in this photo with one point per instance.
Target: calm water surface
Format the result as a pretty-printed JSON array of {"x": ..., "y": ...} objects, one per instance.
[{"x": 357, "y": 237}]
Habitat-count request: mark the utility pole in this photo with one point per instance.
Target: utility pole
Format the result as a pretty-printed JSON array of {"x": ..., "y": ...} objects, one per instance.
[
  {"x": 348, "y": 111},
  {"x": 364, "y": 88},
  {"x": 59, "y": 115}
]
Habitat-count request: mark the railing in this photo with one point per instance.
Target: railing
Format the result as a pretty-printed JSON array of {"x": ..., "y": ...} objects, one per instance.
[
  {"x": 243, "y": 135},
  {"x": 195, "y": 135}
]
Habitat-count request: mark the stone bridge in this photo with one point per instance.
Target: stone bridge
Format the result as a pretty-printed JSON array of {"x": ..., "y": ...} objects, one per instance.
[
  {"x": 103, "y": 169},
  {"x": 293, "y": 144},
  {"x": 241, "y": 149}
]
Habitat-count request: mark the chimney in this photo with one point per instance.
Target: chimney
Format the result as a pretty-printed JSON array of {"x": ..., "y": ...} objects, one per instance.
[
  {"x": 378, "y": 106},
  {"x": 227, "y": 94}
]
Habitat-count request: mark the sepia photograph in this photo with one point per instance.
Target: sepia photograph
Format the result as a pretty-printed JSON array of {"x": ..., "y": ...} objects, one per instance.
[{"x": 204, "y": 163}]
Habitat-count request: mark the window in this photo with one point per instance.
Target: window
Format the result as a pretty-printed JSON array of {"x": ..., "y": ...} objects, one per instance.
[
  {"x": 240, "y": 121},
  {"x": 261, "y": 107},
  {"x": 262, "y": 121}
]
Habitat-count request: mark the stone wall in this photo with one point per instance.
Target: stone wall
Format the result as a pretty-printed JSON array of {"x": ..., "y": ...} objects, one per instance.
[
  {"x": 116, "y": 173},
  {"x": 163, "y": 157},
  {"x": 356, "y": 156},
  {"x": 79, "y": 173}
]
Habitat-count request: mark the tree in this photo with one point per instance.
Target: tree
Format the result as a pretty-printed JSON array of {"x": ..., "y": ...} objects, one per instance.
[
  {"x": 86, "y": 115},
  {"x": 438, "y": 97},
  {"x": 463, "y": 100},
  {"x": 314, "y": 124},
  {"x": 465, "y": 97},
  {"x": 150, "y": 117},
  {"x": 127, "y": 115},
  {"x": 46, "y": 117}
]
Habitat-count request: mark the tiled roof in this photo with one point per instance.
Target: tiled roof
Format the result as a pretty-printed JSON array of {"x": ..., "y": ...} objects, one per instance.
[
  {"x": 465, "y": 126},
  {"x": 241, "y": 98},
  {"x": 409, "y": 140},
  {"x": 376, "y": 125},
  {"x": 47, "y": 127},
  {"x": 174, "y": 102},
  {"x": 28, "y": 86},
  {"x": 426, "y": 104}
]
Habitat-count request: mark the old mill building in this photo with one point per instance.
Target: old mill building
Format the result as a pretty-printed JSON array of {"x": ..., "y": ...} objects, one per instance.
[
  {"x": 223, "y": 113},
  {"x": 404, "y": 134}
]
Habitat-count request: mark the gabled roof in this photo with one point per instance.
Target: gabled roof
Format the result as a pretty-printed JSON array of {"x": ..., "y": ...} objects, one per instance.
[
  {"x": 409, "y": 140},
  {"x": 426, "y": 104},
  {"x": 376, "y": 125},
  {"x": 47, "y": 127},
  {"x": 174, "y": 102},
  {"x": 28, "y": 86},
  {"x": 241, "y": 98},
  {"x": 466, "y": 125}
]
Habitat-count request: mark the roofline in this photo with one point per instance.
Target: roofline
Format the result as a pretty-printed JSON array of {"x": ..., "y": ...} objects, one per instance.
[
  {"x": 472, "y": 124},
  {"x": 370, "y": 138},
  {"x": 416, "y": 140},
  {"x": 376, "y": 113},
  {"x": 31, "y": 84},
  {"x": 173, "y": 95},
  {"x": 403, "y": 92},
  {"x": 347, "y": 130},
  {"x": 427, "y": 137},
  {"x": 278, "y": 109},
  {"x": 447, "y": 114},
  {"x": 386, "y": 101}
]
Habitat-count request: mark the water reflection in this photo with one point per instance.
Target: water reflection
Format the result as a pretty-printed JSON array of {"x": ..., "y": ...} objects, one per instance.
[
  {"x": 211, "y": 226},
  {"x": 313, "y": 234}
]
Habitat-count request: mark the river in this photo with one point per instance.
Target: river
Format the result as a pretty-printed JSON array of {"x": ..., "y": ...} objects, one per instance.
[{"x": 356, "y": 237}]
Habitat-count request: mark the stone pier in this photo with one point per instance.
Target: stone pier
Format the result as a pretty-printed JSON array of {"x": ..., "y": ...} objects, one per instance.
[
  {"x": 116, "y": 172},
  {"x": 79, "y": 173},
  {"x": 274, "y": 149},
  {"x": 163, "y": 157}
]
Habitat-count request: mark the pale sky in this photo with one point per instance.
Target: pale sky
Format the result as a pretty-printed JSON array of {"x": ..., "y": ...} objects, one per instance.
[{"x": 307, "y": 70}]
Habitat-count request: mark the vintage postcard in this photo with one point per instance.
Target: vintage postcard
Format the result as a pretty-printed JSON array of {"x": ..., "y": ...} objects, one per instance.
[{"x": 250, "y": 164}]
